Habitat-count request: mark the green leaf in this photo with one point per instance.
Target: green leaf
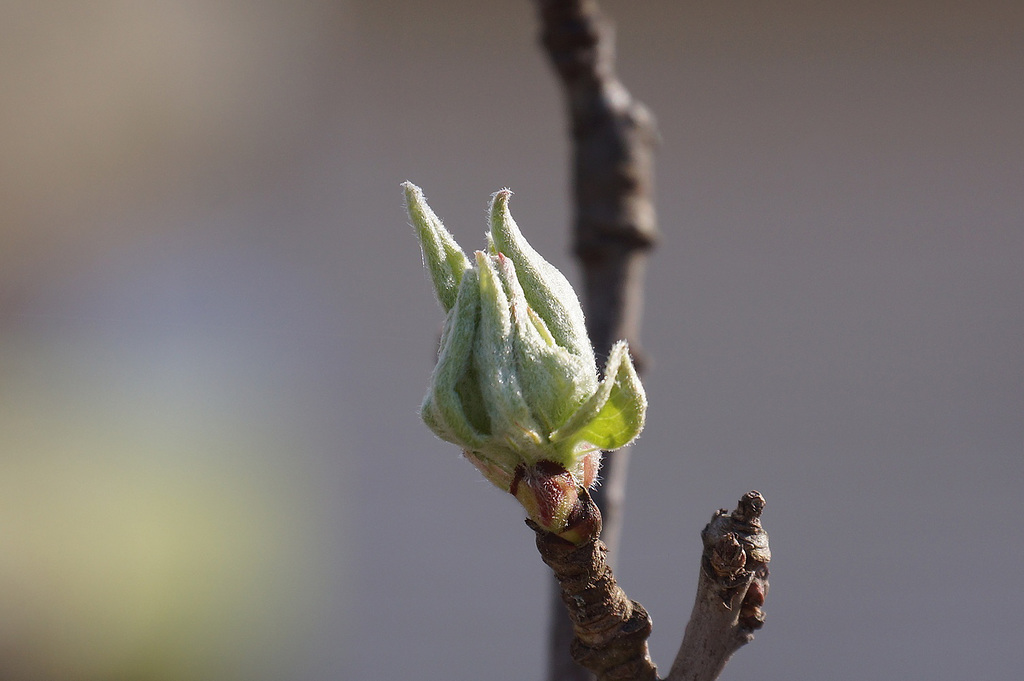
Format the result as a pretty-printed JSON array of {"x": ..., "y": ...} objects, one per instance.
[
  {"x": 614, "y": 415},
  {"x": 443, "y": 410},
  {"x": 494, "y": 359},
  {"x": 441, "y": 253},
  {"x": 546, "y": 289}
]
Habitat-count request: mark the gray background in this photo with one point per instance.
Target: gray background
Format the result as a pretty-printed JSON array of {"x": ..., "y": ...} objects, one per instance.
[{"x": 215, "y": 333}]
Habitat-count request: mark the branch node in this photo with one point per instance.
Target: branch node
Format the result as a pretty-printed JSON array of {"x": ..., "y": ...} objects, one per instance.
[
  {"x": 749, "y": 509},
  {"x": 731, "y": 590}
]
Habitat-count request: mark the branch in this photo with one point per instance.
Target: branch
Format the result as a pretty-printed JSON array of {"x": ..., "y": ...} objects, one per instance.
[
  {"x": 731, "y": 590},
  {"x": 610, "y": 631},
  {"x": 613, "y": 139}
]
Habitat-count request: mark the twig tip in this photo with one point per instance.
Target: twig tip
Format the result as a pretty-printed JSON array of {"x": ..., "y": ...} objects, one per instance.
[{"x": 750, "y": 507}]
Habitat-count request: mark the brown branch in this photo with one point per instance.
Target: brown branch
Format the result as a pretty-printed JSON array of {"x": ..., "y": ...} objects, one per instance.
[
  {"x": 610, "y": 631},
  {"x": 613, "y": 139},
  {"x": 731, "y": 590}
]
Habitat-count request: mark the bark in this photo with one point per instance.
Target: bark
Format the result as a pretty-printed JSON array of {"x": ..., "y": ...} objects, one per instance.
[
  {"x": 731, "y": 590},
  {"x": 610, "y": 631},
  {"x": 613, "y": 140}
]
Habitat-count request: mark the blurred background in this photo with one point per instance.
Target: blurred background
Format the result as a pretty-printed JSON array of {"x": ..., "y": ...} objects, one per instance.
[{"x": 215, "y": 332}]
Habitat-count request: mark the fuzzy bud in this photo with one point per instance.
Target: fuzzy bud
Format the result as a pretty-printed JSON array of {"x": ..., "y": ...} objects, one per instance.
[{"x": 516, "y": 383}]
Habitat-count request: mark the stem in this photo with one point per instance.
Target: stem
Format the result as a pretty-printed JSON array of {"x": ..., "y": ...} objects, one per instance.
[{"x": 609, "y": 630}]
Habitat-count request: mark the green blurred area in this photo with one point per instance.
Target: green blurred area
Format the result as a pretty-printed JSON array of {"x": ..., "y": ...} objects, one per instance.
[
  {"x": 151, "y": 527},
  {"x": 162, "y": 513}
]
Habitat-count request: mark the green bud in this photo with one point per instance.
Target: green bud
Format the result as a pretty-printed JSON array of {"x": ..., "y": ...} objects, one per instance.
[{"x": 516, "y": 383}]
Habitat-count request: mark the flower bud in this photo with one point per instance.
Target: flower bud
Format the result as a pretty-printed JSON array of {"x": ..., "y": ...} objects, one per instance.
[{"x": 516, "y": 383}]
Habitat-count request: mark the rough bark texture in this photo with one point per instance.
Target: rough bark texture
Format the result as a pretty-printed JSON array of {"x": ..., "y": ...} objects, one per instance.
[
  {"x": 613, "y": 140},
  {"x": 731, "y": 590},
  {"x": 609, "y": 630}
]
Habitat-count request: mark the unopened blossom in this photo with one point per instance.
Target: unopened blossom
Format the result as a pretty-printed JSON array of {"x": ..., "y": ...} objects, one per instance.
[{"x": 516, "y": 383}]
